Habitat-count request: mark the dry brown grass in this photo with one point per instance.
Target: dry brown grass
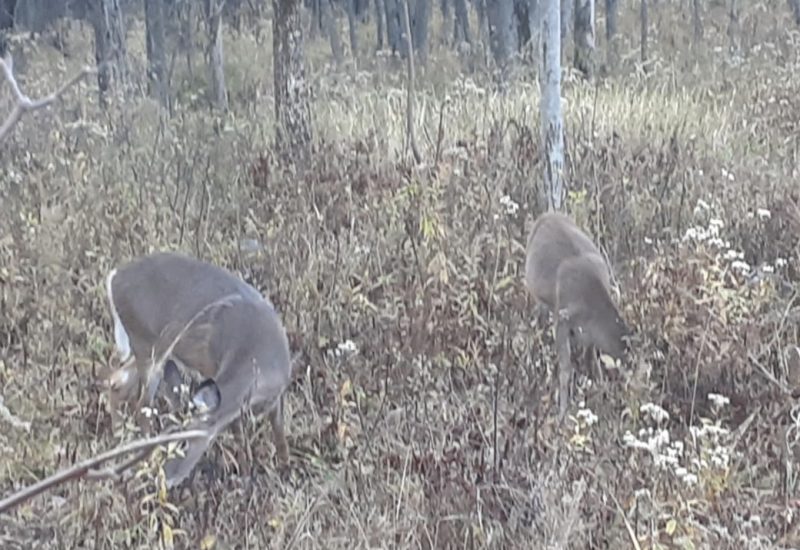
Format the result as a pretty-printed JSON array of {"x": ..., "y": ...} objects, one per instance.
[{"x": 437, "y": 431}]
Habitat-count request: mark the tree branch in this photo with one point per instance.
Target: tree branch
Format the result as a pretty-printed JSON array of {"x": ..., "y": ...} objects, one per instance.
[
  {"x": 23, "y": 102},
  {"x": 88, "y": 469}
]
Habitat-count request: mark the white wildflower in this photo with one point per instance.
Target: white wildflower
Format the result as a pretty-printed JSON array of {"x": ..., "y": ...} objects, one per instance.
[
  {"x": 655, "y": 412},
  {"x": 740, "y": 266},
  {"x": 718, "y": 400},
  {"x": 780, "y": 262}
]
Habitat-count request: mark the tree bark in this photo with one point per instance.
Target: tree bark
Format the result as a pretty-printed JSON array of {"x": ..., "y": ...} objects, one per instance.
[
  {"x": 502, "y": 33},
  {"x": 566, "y": 23},
  {"x": 156, "y": 56},
  {"x": 795, "y": 6},
  {"x": 292, "y": 101},
  {"x": 216, "y": 58},
  {"x": 611, "y": 34},
  {"x": 329, "y": 24},
  {"x": 643, "y": 22},
  {"x": 109, "y": 44},
  {"x": 419, "y": 29},
  {"x": 697, "y": 21},
  {"x": 461, "y": 22},
  {"x": 552, "y": 124},
  {"x": 585, "y": 37},
  {"x": 379, "y": 19},
  {"x": 353, "y": 27}
]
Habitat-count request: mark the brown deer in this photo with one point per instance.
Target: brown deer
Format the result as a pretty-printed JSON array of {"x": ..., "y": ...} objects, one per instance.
[
  {"x": 565, "y": 271},
  {"x": 171, "y": 309}
]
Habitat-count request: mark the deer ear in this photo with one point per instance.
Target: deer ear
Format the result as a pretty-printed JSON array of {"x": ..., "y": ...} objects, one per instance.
[{"x": 207, "y": 397}]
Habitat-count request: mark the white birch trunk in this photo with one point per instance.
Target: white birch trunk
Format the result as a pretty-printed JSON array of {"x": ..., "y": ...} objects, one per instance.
[{"x": 552, "y": 124}]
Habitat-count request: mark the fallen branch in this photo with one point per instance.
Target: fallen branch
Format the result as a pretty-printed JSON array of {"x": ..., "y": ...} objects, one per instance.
[
  {"x": 88, "y": 469},
  {"x": 25, "y": 104}
]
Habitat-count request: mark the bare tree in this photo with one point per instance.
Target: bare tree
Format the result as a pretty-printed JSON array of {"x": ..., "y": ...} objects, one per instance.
[
  {"x": 379, "y": 20},
  {"x": 611, "y": 33},
  {"x": 109, "y": 43},
  {"x": 502, "y": 31},
  {"x": 419, "y": 30},
  {"x": 329, "y": 24},
  {"x": 697, "y": 21},
  {"x": 461, "y": 22},
  {"x": 216, "y": 58},
  {"x": 643, "y": 23},
  {"x": 352, "y": 24},
  {"x": 585, "y": 37},
  {"x": 552, "y": 124},
  {"x": 156, "y": 55},
  {"x": 7, "y": 8},
  {"x": 795, "y": 6},
  {"x": 23, "y": 103},
  {"x": 292, "y": 101},
  {"x": 567, "y": 19}
]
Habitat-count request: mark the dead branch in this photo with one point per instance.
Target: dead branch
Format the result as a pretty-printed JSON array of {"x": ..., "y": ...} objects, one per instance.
[
  {"x": 23, "y": 102},
  {"x": 412, "y": 140},
  {"x": 88, "y": 469}
]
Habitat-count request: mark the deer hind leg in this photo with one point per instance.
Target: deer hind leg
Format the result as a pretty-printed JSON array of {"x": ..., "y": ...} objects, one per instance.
[
  {"x": 564, "y": 367},
  {"x": 279, "y": 436},
  {"x": 223, "y": 400}
]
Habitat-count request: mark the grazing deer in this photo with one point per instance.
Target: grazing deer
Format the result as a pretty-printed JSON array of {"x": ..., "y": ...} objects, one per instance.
[
  {"x": 170, "y": 309},
  {"x": 565, "y": 271}
]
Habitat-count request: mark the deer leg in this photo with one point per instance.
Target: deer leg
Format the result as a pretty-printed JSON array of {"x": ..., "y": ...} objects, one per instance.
[
  {"x": 227, "y": 395},
  {"x": 564, "y": 367},
  {"x": 279, "y": 437}
]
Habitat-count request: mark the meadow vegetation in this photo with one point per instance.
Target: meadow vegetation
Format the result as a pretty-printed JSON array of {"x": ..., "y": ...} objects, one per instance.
[{"x": 422, "y": 411}]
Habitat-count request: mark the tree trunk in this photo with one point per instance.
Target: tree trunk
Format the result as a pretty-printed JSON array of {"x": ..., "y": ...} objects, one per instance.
[
  {"x": 7, "y": 8},
  {"x": 584, "y": 37},
  {"x": 697, "y": 21},
  {"x": 109, "y": 44},
  {"x": 379, "y": 18},
  {"x": 156, "y": 57},
  {"x": 329, "y": 24},
  {"x": 419, "y": 29},
  {"x": 502, "y": 35},
  {"x": 643, "y": 30},
  {"x": 393, "y": 25},
  {"x": 352, "y": 24},
  {"x": 795, "y": 5},
  {"x": 552, "y": 125},
  {"x": 611, "y": 34},
  {"x": 216, "y": 58},
  {"x": 292, "y": 101},
  {"x": 461, "y": 23},
  {"x": 566, "y": 23}
]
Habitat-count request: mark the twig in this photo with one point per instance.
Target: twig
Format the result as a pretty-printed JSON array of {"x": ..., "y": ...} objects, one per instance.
[
  {"x": 88, "y": 468},
  {"x": 23, "y": 102},
  {"x": 412, "y": 140}
]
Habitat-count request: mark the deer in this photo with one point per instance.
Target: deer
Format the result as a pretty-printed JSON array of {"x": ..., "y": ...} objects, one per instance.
[
  {"x": 566, "y": 274},
  {"x": 171, "y": 310}
]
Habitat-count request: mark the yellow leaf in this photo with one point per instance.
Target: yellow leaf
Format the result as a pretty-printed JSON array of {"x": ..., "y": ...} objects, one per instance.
[
  {"x": 208, "y": 542},
  {"x": 346, "y": 389},
  {"x": 275, "y": 523},
  {"x": 166, "y": 535},
  {"x": 671, "y": 526}
]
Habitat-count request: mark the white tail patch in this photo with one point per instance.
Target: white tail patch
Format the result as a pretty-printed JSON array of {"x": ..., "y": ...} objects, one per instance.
[{"x": 121, "y": 339}]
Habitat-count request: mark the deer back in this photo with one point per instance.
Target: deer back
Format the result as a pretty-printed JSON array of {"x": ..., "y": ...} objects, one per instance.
[{"x": 565, "y": 270}]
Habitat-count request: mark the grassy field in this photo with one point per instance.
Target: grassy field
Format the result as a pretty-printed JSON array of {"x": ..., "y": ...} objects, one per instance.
[{"x": 422, "y": 412}]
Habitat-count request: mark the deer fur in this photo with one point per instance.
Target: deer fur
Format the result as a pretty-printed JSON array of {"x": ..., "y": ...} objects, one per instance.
[
  {"x": 566, "y": 272},
  {"x": 169, "y": 309}
]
